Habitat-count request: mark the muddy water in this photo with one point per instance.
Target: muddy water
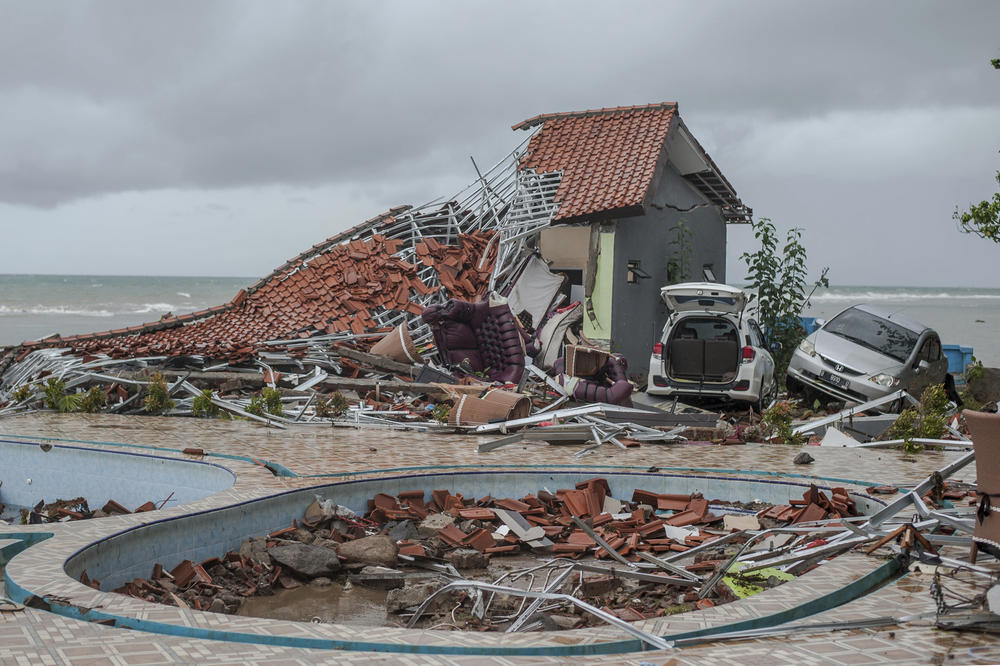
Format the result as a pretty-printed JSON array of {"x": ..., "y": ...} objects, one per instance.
[{"x": 358, "y": 606}]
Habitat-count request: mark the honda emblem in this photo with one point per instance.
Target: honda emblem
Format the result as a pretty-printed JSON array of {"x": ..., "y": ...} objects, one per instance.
[{"x": 838, "y": 368}]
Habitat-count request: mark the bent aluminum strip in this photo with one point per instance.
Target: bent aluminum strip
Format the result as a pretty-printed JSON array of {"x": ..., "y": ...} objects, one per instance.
[
  {"x": 649, "y": 639},
  {"x": 847, "y": 413}
]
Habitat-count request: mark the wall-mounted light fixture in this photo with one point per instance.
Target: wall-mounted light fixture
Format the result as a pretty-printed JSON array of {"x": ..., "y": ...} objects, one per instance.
[{"x": 635, "y": 273}]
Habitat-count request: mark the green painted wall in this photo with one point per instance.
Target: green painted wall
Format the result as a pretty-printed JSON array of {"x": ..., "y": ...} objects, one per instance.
[{"x": 601, "y": 299}]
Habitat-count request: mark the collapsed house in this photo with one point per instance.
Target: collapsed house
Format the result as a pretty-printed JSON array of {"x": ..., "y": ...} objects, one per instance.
[
  {"x": 630, "y": 175},
  {"x": 567, "y": 216}
]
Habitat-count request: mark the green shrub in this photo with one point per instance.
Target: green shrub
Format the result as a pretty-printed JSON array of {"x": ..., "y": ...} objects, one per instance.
[
  {"x": 54, "y": 391},
  {"x": 776, "y": 421},
  {"x": 334, "y": 405},
  {"x": 440, "y": 412},
  {"x": 256, "y": 406},
  {"x": 202, "y": 405},
  {"x": 272, "y": 401},
  {"x": 776, "y": 273},
  {"x": 94, "y": 400},
  {"x": 157, "y": 398},
  {"x": 974, "y": 371},
  {"x": 906, "y": 427},
  {"x": 933, "y": 409},
  {"x": 927, "y": 421},
  {"x": 23, "y": 393},
  {"x": 57, "y": 398}
]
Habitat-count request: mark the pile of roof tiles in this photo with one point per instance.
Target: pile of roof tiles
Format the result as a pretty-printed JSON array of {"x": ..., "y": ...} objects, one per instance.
[
  {"x": 463, "y": 269},
  {"x": 334, "y": 291},
  {"x": 628, "y": 527},
  {"x": 447, "y": 529},
  {"x": 75, "y": 509},
  {"x": 626, "y": 532},
  {"x": 814, "y": 505},
  {"x": 216, "y": 584}
]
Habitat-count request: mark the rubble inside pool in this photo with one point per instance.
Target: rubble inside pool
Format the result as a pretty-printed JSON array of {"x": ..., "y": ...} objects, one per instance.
[
  {"x": 649, "y": 555},
  {"x": 63, "y": 510}
]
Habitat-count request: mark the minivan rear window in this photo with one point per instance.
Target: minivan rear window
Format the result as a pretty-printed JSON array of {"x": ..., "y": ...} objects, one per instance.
[
  {"x": 873, "y": 332},
  {"x": 705, "y": 301},
  {"x": 705, "y": 328}
]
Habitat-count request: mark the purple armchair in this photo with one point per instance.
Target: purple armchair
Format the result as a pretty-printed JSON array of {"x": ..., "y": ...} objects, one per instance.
[
  {"x": 610, "y": 384},
  {"x": 487, "y": 336}
]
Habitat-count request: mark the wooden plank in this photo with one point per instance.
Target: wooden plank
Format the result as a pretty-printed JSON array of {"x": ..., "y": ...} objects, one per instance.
[{"x": 376, "y": 361}]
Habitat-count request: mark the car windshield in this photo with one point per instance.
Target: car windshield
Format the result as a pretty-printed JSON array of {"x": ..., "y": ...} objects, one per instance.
[{"x": 873, "y": 332}]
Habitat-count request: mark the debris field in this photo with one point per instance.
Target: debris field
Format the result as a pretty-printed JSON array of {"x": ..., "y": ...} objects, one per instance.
[{"x": 622, "y": 552}]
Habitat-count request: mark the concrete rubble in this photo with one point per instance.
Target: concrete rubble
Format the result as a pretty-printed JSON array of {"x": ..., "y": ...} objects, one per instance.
[
  {"x": 644, "y": 556},
  {"x": 581, "y": 557}
]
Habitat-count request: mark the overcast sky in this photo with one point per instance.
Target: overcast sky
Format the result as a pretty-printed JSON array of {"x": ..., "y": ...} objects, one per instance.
[{"x": 221, "y": 138}]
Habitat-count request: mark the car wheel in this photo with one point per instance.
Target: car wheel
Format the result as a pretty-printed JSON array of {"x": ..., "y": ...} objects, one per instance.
[{"x": 767, "y": 397}]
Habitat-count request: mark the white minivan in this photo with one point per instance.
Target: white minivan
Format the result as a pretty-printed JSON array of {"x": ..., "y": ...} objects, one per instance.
[{"x": 711, "y": 347}]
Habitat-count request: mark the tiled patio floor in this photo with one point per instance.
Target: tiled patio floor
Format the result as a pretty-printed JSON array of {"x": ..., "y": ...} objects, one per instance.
[{"x": 34, "y": 636}]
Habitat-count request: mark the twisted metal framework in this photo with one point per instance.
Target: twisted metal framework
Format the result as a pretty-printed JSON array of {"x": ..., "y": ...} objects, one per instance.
[{"x": 515, "y": 203}]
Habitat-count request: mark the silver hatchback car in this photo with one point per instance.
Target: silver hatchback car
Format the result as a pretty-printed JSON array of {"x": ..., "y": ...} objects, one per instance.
[{"x": 867, "y": 352}]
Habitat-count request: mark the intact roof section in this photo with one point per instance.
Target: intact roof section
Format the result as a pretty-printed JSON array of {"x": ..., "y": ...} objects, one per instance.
[{"x": 608, "y": 157}]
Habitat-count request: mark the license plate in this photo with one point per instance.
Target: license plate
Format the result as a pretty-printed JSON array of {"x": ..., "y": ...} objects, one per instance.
[{"x": 834, "y": 379}]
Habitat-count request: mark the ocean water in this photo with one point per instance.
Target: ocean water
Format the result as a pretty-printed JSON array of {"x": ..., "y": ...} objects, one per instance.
[{"x": 34, "y": 306}]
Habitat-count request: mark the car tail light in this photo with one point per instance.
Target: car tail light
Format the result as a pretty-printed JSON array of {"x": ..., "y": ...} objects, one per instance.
[
  {"x": 748, "y": 354},
  {"x": 658, "y": 349}
]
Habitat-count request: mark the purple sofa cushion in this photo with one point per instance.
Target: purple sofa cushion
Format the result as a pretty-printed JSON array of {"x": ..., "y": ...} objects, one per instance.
[{"x": 488, "y": 337}]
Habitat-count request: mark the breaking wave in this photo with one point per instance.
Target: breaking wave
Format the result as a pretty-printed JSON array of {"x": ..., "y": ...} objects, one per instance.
[
  {"x": 863, "y": 296},
  {"x": 93, "y": 311},
  {"x": 54, "y": 310},
  {"x": 154, "y": 307},
  {"x": 184, "y": 294}
]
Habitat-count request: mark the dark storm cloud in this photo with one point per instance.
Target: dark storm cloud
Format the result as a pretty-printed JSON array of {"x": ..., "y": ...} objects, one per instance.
[{"x": 106, "y": 97}]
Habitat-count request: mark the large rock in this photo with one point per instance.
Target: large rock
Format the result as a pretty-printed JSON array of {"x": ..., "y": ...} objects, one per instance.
[
  {"x": 434, "y": 522},
  {"x": 255, "y": 548},
  {"x": 404, "y": 530},
  {"x": 379, "y": 549},
  {"x": 986, "y": 389},
  {"x": 803, "y": 458},
  {"x": 411, "y": 596},
  {"x": 305, "y": 559},
  {"x": 467, "y": 558}
]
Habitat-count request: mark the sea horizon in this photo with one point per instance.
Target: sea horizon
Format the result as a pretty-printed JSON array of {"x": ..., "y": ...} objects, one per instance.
[
  {"x": 740, "y": 283},
  {"x": 36, "y": 305}
]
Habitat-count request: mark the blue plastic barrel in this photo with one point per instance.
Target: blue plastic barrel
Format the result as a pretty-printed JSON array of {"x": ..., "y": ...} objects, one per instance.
[
  {"x": 958, "y": 357},
  {"x": 809, "y": 323}
]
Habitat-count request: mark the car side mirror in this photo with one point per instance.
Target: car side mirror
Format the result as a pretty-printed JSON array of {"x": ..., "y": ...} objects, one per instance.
[
  {"x": 776, "y": 347},
  {"x": 820, "y": 322},
  {"x": 921, "y": 366}
]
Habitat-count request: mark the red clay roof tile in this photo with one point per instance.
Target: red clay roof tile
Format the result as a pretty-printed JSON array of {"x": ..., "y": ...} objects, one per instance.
[
  {"x": 585, "y": 145},
  {"x": 295, "y": 302}
]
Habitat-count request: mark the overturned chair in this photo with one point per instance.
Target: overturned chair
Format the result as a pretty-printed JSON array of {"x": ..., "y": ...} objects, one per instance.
[
  {"x": 482, "y": 337},
  {"x": 591, "y": 375}
]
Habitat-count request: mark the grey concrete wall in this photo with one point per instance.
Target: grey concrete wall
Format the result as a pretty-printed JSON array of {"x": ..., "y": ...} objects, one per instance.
[{"x": 639, "y": 314}]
